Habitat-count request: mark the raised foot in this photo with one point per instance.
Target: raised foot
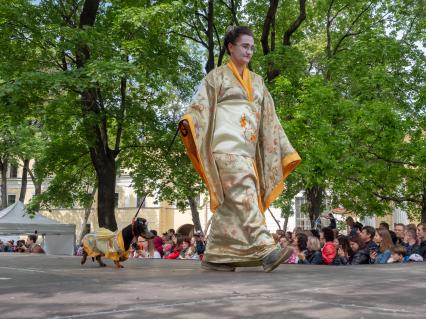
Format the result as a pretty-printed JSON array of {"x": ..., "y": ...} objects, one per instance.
[{"x": 275, "y": 258}]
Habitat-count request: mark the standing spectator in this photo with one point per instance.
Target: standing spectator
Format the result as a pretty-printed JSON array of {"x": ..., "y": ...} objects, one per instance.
[
  {"x": 351, "y": 229},
  {"x": 400, "y": 233},
  {"x": 367, "y": 234},
  {"x": 329, "y": 249},
  {"x": 312, "y": 255},
  {"x": 384, "y": 241},
  {"x": 410, "y": 240},
  {"x": 332, "y": 221},
  {"x": 32, "y": 246},
  {"x": 421, "y": 237}
]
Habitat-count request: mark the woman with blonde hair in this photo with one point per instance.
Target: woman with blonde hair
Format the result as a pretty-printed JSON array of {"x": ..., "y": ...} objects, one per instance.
[{"x": 312, "y": 255}]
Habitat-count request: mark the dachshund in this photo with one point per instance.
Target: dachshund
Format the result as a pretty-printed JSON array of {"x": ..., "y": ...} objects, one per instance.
[{"x": 114, "y": 246}]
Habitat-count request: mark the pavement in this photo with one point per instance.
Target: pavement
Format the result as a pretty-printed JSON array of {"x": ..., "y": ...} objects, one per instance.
[{"x": 39, "y": 286}]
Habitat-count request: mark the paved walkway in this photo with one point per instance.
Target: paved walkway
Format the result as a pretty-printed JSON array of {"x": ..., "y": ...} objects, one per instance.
[{"x": 34, "y": 286}]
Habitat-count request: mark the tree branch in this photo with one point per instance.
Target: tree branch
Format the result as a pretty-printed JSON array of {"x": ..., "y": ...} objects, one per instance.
[{"x": 296, "y": 24}]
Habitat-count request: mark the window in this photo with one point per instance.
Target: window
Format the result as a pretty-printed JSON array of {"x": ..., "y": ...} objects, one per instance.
[
  {"x": 13, "y": 171},
  {"x": 11, "y": 199},
  {"x": 139, "y": 199},
  {"x": 301, "y": 219},
  {"x": 116, "y": 197}
]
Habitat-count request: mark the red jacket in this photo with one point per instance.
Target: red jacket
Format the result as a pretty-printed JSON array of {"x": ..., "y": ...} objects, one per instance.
[
  {"x": 174, "y": 254},
  {"x": 328, "y": 252}
]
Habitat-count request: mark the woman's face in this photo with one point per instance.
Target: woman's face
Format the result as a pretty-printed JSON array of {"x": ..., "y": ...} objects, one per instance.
[
  {"x": 185, "y": 245},
  {"x": 354, "y": 246},
  {"x": 283, "y": 242},
  {"x": 243, "y": 49},
  {"x": 174, "y": 239},
  {"x": 377, "y": 238}
]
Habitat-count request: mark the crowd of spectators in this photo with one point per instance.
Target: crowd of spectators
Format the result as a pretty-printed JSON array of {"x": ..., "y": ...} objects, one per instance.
[
  {"x": 170, "y": 245},
  {"x": 362, "y": 245},
  {"x": 29, "y": 245}
]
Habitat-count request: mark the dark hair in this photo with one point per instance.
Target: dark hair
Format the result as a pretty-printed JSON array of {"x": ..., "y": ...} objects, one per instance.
[
  {"x": 32, "y": 237},
  {"x": 344, "y": 242},
  {"x": 154, "y": 232},
  {"x": 370, "y": 230},
  {"x": 359, "y": 226},
  {"x": 384, "y": 225},
  {"x": 357, "y": 239},
  {"x": 328, "y": 234},
  {"x": 302, "y": 241},
  {"x": 234, "y": 33},
  {"x": 315, "y": 233}
]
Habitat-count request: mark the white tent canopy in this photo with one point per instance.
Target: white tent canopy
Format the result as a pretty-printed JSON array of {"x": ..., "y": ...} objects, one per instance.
[{"x": 58, "y": 239}]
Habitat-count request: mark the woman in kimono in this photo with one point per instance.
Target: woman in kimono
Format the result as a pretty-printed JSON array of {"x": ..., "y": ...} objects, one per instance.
[{"x": 237, "y": 145}]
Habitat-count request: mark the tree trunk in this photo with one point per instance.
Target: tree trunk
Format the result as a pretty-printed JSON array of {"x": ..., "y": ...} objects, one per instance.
[
  {"x": 104, "y": 163},
  {"x": 3, "y": 169},
  {"x": 210, "y": 34},
  {"x": 87, "y": 211},
  {"x": 314, "y": 196},
  {"x": 37, "y": 184},
  {"x": 24, "y": 180},
  {"x": 103, "y": 158},
  {"x": 423, "y": 218},
  {"x": 195, "y": 214},
  {"x": 285, "y": 224}
]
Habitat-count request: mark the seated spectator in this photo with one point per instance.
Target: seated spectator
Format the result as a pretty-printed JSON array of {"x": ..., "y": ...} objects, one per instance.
[
  {"x": 385, "y": 244},
  {"x": 312, "y": 255},
  {"x": 186, "y": 243},
  {"x": 283, "y": 241},
  {"x": 177, "y": 246},
  {"x": 167, "y": 249},
  {"x": 410, "y": 240},
  {"x": 397, "y": 254},
  {"x": 158, "y": 242},
  {"x": 367, "y": 235},
  {"x": 298, "y": 247},
  {"x": 343, "y": 250},
  {"x": 199, "y": 243},
  {"x": 360, "y": 254},
  {"x": 31, "y": 245},
  {"x": 145, "y": 249},
  {"x": 301, "y": 242},
  {"x": 421, "y": 237},
  {"x": 329, "y": 249}
]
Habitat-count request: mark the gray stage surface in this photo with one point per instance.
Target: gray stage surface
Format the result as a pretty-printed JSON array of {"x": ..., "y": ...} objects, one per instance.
[{"x": 34, "y": 286}]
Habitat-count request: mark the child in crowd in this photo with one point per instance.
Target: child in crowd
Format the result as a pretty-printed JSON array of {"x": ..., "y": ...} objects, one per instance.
[{"x": 397, "y": 254}]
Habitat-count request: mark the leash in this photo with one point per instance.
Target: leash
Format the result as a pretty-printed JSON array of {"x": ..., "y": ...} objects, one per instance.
[{"x": 167, "y": 153}]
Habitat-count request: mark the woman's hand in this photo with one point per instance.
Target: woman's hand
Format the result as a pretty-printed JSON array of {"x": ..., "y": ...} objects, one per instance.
[{"x": 341, "y": 252}]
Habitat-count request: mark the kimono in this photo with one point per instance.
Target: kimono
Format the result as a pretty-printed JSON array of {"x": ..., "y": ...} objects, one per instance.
[
  {"x": 240, "y": 150},
  {"x": 105, "y": 242}
]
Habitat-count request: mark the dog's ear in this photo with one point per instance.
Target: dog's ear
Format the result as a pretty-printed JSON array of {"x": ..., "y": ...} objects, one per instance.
[{"x": 141, "y": 220}]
